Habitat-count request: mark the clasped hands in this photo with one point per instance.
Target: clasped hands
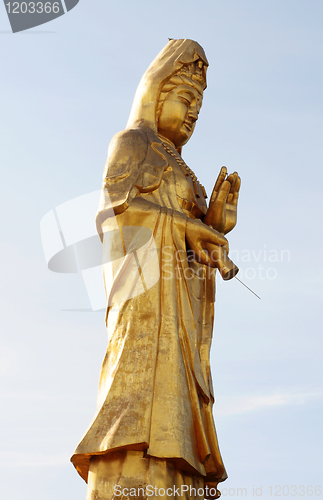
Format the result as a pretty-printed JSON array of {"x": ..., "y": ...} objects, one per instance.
[{"x": 207, "y": 238}]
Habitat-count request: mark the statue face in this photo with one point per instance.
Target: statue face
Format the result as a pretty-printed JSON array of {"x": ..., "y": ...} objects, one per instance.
[{"x": 179, "y": 113}]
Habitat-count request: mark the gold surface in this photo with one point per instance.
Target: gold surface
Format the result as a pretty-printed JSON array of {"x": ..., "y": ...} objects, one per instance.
[{"x": 161, "y": 247}]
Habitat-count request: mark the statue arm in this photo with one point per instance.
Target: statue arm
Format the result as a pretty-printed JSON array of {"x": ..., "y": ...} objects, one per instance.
[
  {"x": 209, "y": 246},
  {"x": 134, "y": 166},
  {"x": 127, "y": 151}
]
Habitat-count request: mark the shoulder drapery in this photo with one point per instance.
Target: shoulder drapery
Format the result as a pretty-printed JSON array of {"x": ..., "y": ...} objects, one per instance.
[{"x": 135, "y": 164}]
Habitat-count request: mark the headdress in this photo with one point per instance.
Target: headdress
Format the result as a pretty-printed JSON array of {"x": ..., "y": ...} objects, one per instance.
[{"x": 182, "y": 59}]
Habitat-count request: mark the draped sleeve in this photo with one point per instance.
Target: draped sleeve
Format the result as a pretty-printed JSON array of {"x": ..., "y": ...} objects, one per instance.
[{"x": 135, "y": 165}]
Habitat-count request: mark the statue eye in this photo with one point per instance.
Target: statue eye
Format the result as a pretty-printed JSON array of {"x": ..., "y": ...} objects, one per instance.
[{"x": 185, "y": 100}]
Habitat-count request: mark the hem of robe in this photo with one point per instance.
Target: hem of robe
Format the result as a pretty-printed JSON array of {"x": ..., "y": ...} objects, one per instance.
[{"x": 81, "y": 463}]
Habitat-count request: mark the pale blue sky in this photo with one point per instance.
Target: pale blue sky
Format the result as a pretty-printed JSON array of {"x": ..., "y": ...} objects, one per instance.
[{"x": 66, "y": 88}]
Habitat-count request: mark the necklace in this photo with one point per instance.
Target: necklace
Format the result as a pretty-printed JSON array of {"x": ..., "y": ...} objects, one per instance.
[{"x": 186, "y": 170}]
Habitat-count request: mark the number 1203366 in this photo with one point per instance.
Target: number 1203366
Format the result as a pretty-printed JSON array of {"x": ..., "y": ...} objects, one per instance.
[
  {"x": 301, "y": 490},
  {"x": 32, "y": 7}
]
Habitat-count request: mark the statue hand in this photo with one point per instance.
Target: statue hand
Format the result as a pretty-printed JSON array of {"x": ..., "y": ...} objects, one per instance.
[
  {"x": 210, "y": 248},
  {"x": 202, "y": 239},
  {"x": 222, "y": 211}
]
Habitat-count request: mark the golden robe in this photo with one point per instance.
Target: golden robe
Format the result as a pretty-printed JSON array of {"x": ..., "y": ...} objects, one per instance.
[{"x": 155, "y": 391}]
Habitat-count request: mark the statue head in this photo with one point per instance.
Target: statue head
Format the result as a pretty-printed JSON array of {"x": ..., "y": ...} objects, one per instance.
[
  {"x": 180, "y": 102},
  {"x": 169, "y": 96}
]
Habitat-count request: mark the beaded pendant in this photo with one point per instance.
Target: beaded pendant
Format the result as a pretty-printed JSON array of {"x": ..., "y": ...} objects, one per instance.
[{"x": 186, "y": 170}]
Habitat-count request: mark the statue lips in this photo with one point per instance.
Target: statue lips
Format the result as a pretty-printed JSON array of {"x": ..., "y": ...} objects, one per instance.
[{"x": 188, "y": 124}]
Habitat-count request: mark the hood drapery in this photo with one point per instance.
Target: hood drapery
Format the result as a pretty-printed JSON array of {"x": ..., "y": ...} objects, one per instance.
[{"x": 175, "y": 55}]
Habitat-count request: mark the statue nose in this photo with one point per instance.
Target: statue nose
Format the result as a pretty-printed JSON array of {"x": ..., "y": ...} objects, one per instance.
[{"x": 192, "y": 114}]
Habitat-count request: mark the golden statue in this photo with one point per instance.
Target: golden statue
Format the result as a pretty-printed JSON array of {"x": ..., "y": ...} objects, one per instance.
[{"x": 153, "y": 433}]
